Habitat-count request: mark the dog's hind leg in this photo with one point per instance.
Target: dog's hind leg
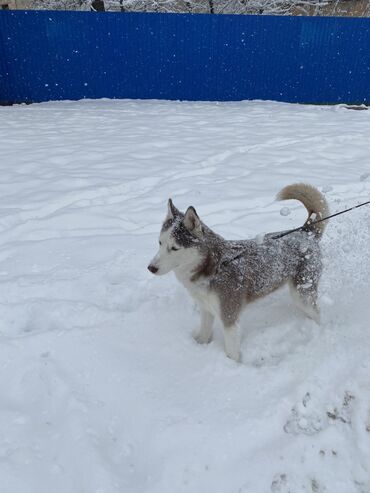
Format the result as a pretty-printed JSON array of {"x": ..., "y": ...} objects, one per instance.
[
  {"x": 305, "y": 284},
  {"x": 304, "y": 295},
  {"x": 204, "y": 334}
]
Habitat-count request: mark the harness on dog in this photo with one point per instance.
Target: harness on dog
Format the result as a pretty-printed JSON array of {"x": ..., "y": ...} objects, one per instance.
[{"x": 310, "y": 223}]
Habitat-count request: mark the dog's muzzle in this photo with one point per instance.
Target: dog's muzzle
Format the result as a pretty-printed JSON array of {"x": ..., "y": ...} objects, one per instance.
[{"x": 152, "y": 269}]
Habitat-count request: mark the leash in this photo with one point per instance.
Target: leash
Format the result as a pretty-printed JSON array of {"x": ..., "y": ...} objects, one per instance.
[
  {"x": 301, "y": 228},
  {"x": 309, "y": 223}
]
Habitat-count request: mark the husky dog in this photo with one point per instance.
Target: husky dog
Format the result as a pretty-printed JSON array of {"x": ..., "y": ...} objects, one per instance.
[{"x": 224, "y": 276}]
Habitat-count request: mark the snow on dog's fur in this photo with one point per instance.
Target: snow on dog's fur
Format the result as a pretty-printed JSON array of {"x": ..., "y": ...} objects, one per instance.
[{"x": 224, "y": 276}]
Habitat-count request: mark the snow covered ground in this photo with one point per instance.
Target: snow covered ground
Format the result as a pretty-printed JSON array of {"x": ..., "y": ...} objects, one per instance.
[{"x": 102, "y": 388}]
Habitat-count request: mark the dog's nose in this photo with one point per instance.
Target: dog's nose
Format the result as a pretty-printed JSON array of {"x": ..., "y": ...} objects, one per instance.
[{"x": 153, "y": 269}]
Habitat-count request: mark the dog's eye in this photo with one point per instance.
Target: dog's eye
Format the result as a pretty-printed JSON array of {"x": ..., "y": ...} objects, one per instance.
[
  {"x": 160, "y": 243},
  {"x": 175, "y": 249}
]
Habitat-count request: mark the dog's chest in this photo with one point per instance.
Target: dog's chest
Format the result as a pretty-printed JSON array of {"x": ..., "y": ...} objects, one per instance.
[{"x": 200, "y": 291}]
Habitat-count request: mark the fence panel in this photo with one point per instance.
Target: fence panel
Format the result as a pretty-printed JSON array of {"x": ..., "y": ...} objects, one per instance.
[{"x": 73, "y": 55}]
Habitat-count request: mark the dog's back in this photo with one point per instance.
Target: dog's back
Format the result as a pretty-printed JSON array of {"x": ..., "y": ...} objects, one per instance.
[{"x": 253, "y": 269}]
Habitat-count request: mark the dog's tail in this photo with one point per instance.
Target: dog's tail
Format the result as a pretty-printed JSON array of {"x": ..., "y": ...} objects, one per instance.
[{"x": 312, "y": 199}]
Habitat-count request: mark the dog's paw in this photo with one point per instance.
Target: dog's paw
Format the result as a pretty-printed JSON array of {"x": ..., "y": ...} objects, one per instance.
[
  {"x": 202, "y": 337},
  {"x": 234, "y": 354}
]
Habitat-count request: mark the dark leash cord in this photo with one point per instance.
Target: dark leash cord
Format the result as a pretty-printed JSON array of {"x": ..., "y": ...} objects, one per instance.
[
  {"x": 309, "y": 224},
  {"x": 306, "y": 227}
]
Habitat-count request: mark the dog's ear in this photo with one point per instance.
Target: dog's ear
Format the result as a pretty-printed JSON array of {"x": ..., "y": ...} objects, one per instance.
[
  {"x": 192, "y": 222},
  {"x": 172, "y": 211}
]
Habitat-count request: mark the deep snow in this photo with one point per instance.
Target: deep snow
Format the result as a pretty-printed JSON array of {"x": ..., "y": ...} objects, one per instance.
[{"x": 102, "y": 388}]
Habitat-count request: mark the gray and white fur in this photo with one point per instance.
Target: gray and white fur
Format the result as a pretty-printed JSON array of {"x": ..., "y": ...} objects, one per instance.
[{"x": 224, "y": 276}]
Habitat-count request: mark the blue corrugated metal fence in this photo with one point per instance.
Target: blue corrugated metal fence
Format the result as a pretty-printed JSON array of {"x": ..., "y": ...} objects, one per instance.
[{"x": 73, "y": 55}]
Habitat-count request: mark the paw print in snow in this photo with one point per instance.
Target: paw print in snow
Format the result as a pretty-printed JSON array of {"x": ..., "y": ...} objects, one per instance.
[{"x": 305, "y": 418}]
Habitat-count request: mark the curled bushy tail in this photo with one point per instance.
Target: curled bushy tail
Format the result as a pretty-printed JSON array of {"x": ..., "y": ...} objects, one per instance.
[{"x": 312, "y": 199}]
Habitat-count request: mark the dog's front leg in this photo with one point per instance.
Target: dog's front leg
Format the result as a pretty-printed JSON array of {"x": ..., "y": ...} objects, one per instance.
[
  {"x": 204, "y": 334},
  {"x": 232, "y": 341},
  {"x": 231, "y": 306}
]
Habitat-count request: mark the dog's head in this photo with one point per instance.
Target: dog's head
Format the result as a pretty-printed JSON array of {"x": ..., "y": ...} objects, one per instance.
[{"x": 179, "y": 241}]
